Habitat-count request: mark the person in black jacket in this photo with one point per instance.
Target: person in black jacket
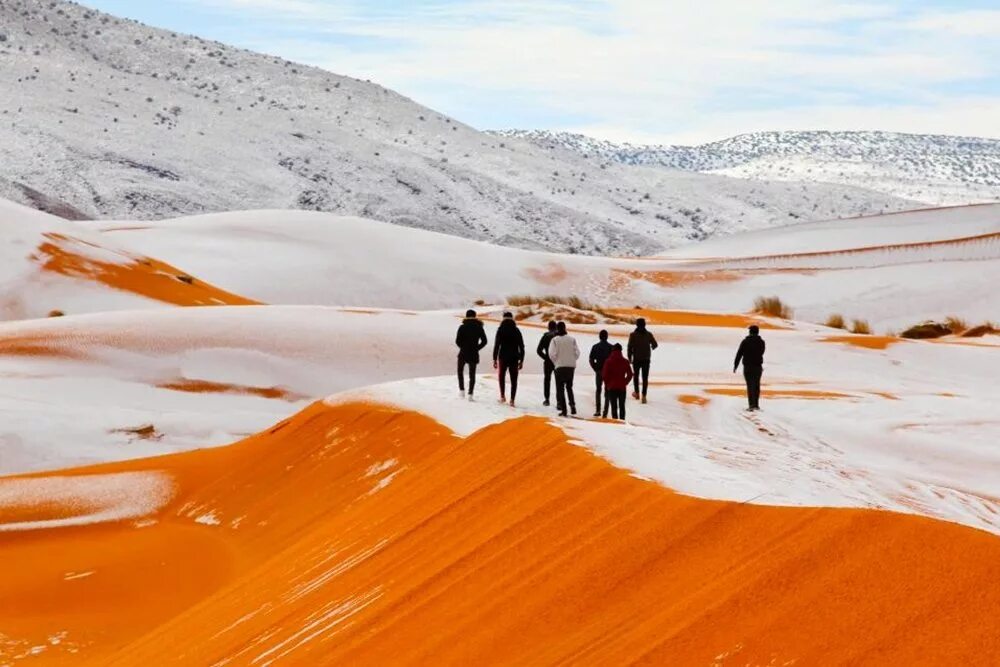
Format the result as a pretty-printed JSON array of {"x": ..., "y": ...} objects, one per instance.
[
  {"x": 543, "y": 352},
  {"x": 508, "y": 355},
  {"x": 599, "y": 353},
  {"x": 470, "y": 339},
  {"x": 641, "y": 344},
  {"x": 751, "y": 353}
]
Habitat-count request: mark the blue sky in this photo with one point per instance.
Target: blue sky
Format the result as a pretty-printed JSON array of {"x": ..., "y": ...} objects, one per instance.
[{"x": 639, "y": 70}]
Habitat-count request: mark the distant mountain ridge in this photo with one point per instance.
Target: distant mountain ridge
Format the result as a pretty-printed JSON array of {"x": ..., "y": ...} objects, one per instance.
[{"x": 934, "y": 169}]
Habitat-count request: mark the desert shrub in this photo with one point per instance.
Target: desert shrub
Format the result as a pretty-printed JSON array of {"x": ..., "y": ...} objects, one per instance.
[
  {"x": 479, "y": 302},
  {"x": 860, "y": 327},
  {"x": 524, "y": 314},
  {"x": 981, "y": 330},
  {"x": 521, "y": 300},
  {"x": 56, "y": 313},
  {"x": 926, "y": 330},
  {"x": 836, "y": 321},
  {"x": 772, "y": 306},
  {"x": 956, "y": 324}
]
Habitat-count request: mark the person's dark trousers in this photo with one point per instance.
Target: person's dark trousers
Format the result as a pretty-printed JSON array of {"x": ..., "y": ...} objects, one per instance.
[
  {"x": 752, "y": 375},
  {"x": 564, "y": 388},
  {"x": 505, "y": 368},
  {"x": 472, "y": 375},
  {"x": 640, "y": 368},
  {"x": 607, "y": 404},
  {"x": 598, "y": 384},
  {"x": 617, "y": 401},
  {"x": 549, "y": 369}
]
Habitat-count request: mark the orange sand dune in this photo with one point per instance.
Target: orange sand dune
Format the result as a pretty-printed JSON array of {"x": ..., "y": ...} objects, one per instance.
[
  {"x": 680, "y": 278},
  {"x": 140, "y": 275},
  {"x": 866, "y": 342},
  {"x": 362, "y": 535},
  {"x": 688, "y": 318},
  {"x": 209, "y": 387},
  {"x": 778, "y": 393}
]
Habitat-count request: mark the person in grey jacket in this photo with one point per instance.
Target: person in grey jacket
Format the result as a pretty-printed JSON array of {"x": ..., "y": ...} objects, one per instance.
[{"x": 564, "y": 353}]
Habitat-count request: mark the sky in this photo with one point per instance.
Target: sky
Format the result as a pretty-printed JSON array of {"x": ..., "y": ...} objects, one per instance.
[{"x": 643, "y": 71}]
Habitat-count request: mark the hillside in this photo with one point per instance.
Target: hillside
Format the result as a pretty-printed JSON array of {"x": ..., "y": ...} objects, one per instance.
[
  {"x": 933, "y": 169},
  {"x": 105, "y": 118}
]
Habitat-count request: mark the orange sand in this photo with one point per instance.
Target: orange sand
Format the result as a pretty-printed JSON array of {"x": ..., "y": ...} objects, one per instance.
[
  {"x": 682, "y": 278},
  {"x": 692, "y": 399},
  {"x": 778, "y": 393},
  {"x": 509, "y": 547},
  {"x": 552, "y": 273},
  {"x": 867, "y": 342},
  {"x": 206, "y": 387},
  {"x": 146, "y": 277},
  {"x": 687, "y": 318},
  {"x": 35, "y": 346}
]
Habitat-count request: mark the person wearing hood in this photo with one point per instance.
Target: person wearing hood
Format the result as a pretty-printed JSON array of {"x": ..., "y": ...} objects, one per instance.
[
  {"x": 751, "y": 353},
  {"x": 616, "y": 374},
  {"x": 641, "y": 344},
  {"x": 547, "y": 368},
  {"x": 508, "y": 355},
  {"x": 598, "y": 354},
  {"x": 564, "y": 352},
  {"x": 470, "y": 339}
]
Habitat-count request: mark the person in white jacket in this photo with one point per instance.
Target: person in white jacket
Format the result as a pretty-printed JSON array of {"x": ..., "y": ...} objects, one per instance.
[{"x": 564, "y": 352}]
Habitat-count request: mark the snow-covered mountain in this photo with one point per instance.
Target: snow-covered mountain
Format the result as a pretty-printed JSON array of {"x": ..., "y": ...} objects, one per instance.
[
  {"x": 933, "y": 169},
  {"x": 102, "y": 117}
]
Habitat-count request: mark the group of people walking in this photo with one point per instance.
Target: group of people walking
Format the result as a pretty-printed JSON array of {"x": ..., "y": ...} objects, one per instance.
[{"x": 560, "y": 353}]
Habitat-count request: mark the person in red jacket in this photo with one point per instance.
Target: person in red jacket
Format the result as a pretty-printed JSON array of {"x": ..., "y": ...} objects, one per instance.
[{"x": 617, "y": 373}]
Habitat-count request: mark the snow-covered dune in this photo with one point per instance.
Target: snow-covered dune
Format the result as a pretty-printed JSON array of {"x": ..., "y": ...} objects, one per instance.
[
  {"x": 49, "y": 265},
  {"x": 896, "y": 261}
]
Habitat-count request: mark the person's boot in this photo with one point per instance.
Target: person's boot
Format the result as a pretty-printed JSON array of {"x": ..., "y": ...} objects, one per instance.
[
  {"x": 572, "y": 410},
  {"x": 503, "y": 399},
  {"x": 644, "y": 400},
  {"x": 545, "y": 402},
  {"x": 512, "y": 402},
  {"x": 635, "y": 395}
]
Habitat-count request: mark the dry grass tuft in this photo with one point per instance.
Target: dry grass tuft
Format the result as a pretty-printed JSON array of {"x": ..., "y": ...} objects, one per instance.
[
  {"x": 521, "y": 300},
  {"x": 56, "y": 313},
  {"x": 926, "y": 330},
  {"x": 772, "y": 306},
  {"x": 861, "y": 327},
  {"x": 836, "y": 321},
  {"x": 956, "y": 324},
  {"x": 981, "y": 330}
]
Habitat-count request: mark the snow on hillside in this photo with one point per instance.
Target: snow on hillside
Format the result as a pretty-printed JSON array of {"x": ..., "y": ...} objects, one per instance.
[
  {"x": 105, "y": 118},
  {"x": 933, "y": 169},
  {"x": 904, "y": 267}
]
